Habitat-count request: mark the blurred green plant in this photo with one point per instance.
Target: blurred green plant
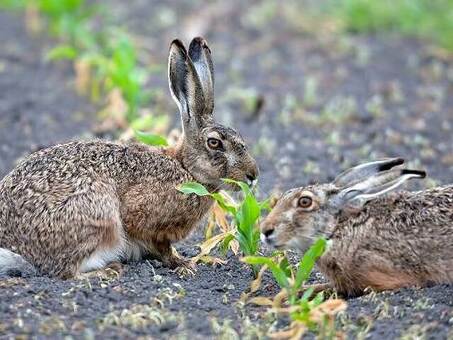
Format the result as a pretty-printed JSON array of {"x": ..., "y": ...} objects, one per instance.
[
  {"x": 105, "y": 59},
  {"x": 115, "y": 66},
  {"x": 69, "y": 20},
  {"x": 432, "y": 19},
  {"x": 12, "y": 4}
]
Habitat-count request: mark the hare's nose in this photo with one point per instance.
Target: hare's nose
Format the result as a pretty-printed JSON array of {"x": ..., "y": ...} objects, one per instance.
[
  {"x": 252, "y": 174},
  {"x": 267, "y": 233},
  {"x": 267, "y": 236},
  {"x": 251, "y": 179}
]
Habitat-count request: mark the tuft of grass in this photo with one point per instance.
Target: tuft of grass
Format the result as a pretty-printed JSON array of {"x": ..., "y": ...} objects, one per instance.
[
  {"x": 431, "y": 19},
  {"x": 139, "y": 317}
]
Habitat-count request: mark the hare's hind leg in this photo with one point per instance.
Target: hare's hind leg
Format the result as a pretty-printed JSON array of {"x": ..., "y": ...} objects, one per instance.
[
  {"x": 108, "y": 247},
  {"x": 86, "y": 233}
]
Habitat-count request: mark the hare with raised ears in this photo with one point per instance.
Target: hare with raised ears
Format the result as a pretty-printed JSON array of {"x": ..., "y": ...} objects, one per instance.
[
  {"x": 375, "y": 240},
  {"x": 79, "y": 206}
]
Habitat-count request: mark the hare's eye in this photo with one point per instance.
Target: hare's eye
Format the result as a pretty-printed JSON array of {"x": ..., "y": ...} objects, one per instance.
[
  {"x": 215, "y": 143},
  {"x": 305, "y": 202}
]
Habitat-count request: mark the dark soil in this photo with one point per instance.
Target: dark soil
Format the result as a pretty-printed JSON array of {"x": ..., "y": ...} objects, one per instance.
[
  {"x": 38, "y": 106},
  {"x": 375, "y": 97}
]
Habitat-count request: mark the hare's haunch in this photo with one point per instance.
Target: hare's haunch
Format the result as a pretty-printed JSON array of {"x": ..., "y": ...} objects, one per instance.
[{"x": 78, "y": 206}]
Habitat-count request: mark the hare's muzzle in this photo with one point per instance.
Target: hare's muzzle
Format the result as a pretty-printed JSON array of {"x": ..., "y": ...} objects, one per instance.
[
  {"x": 252, "y": 174},
  {"x": 267, "y": 235}
]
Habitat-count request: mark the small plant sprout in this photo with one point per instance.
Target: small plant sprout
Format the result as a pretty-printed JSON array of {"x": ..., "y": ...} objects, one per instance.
[
  {"x": 306, "y": 311},
  {"x": 105, "y": 61},
  {"x": 245, "y": 215}
]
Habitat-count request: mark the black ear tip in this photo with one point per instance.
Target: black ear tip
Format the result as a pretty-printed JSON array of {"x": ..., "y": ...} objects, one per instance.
[
  {"x": 178, "y": 44},
  {"x": 390, "y": 163},
  {"x": 419, "y": 173},
  {"x": 199, "y": 43}
]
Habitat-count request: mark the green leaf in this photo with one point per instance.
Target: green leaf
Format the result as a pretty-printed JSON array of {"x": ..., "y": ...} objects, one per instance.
[
  {"x": 277, "y": 272},
  {"x": 142, "y": 123},
  {"x": 62, "y": 52},
  {"x": 224, "y": 204},
  {"x": 193, "y": 188},
  {"x": 265, "y": 205},
  {"x": 244, "y": 187},
  {"x": 225, "y": 245},
  {"x": 308, "y": 261},
  {"x": 318, "y": 299},
  {"x": 244, "y": 243},
  {"x": 150, "y": 139},
  {"x": 249, "y": 214},
  {"x": 307, "y": 294},
  {"x": 285, "y": 266}
]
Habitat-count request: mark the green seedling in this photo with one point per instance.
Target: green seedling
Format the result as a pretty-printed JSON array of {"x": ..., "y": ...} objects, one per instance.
[
  {"x": 123, "y": 72},
  {"x": 291, "y": 279},
  {"x": 306, "y": 310},
  {"x": 150, "y": 138},
  {"x": 110, "y": 56},
  {"x": 245, "y": 215}
]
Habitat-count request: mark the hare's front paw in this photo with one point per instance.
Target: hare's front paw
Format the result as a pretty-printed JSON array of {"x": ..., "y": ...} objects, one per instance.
[
  {"x": 180, "y": 265},
  {"x": 184, "y": 267},
  {"x": 170, "y": 258},
  {"x": 112, "y": 271}
]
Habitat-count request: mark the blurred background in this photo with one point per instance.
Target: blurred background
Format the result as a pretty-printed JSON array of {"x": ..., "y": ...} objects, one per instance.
[{"x": 314, "y": 86}]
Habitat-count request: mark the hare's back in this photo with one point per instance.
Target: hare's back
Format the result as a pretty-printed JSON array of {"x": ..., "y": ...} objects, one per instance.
[
  {"x": 416, "y": 227},
  {"x": 67, "y": 169}
]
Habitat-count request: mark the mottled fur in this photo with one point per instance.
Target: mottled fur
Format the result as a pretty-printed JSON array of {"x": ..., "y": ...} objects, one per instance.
[
  {"x": 397, "y": 240},
  {"x": 78, "y": 206}
]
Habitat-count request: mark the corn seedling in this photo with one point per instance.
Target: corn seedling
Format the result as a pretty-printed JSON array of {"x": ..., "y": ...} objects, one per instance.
[
  {"x": 245, "y": 215},
  {"x": 306, "y": 310}
]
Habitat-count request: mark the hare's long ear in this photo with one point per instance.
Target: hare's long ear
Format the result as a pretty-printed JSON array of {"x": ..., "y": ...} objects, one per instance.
[
  {"x": 364, "y": 171},
  {"x": 374, "y": 186},
  {"x": 200, "y": 54},
  {"x": 185, "y": 87}
]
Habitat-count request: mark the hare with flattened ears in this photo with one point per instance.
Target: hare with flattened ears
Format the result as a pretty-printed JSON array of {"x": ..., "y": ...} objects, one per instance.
[
  {"x": 79, "y": 206},
  {"x": 375, "y": 240}
]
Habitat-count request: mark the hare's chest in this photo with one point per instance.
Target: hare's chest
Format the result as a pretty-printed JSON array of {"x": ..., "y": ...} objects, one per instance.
[
  {"x": 162, "y": 216},
  {"x": 190, "y": 213}
]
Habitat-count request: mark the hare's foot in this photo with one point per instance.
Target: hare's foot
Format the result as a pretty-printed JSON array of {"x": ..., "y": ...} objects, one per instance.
[
  {"x": 112, "y": 271},
  {"x": 170, "y": 258},
  {"x": 185, "y": 267}
]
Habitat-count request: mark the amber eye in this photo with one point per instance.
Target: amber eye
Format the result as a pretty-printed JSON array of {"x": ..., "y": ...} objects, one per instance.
[
  {"x": 305, "y": 202},
  {"x": 215, "y": 143}
]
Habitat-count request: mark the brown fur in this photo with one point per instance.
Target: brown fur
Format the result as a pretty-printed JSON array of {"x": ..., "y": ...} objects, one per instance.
[
  {"x": 62, "y": 205},
  {"x": 398, "y": 240}
]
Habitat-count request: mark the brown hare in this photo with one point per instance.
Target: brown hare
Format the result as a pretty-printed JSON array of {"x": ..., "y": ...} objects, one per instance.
[
  {"x": 375, "y": 240},
  {"x": 79, "y": 206}
]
